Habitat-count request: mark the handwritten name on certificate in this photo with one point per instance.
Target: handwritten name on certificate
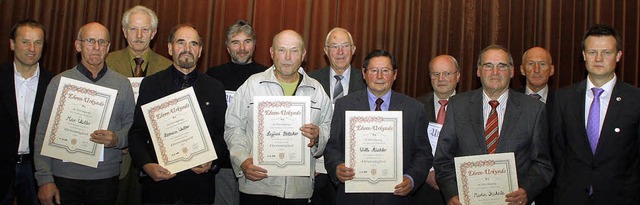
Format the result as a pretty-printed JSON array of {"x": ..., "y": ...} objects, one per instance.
[
  {"x": 486, "y": 179},
  {"x": 373, "y": 148},
  {"x": 179, "y": 133},
  {"x": 79, "y": 109},
  {"x": 278, "y": 145}
]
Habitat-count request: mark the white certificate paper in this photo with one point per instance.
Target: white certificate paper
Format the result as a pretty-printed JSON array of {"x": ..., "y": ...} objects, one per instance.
[
  {"x": 135, "y": 85},
  {"x": 486, "y": 179},
  {"x": 79, "y": 109},
  {"x": 179, "y": 133},
  {"x": 278, "y": 145},
  {"x": 229, "y": 95},
  {"x": 433, "y": 131},
  {"x": 373, "y": 148}
]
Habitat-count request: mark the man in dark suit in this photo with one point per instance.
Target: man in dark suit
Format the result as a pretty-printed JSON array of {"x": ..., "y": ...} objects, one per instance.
[
  {"x": 521, "y": 128},
  {"x": 380, "y": 70},
  {"x": 196, "y": 185},
  {"x": 139, "y": 26},
  {"x": 444, "y": 73},
  {"x": 339, "y": 49},
  {"x": 596, "y": 132},
  {"x": 22, "y": 87},
  {"x": 537, "y": 67}
]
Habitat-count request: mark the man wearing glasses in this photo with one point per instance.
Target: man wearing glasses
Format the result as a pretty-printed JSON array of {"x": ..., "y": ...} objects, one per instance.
[
  {"x": 71, "y": 183},
  {"x": 444, "y": 73},
  {"x": 495, "y": 119},
  {"x": 338, "y": 79},
  {"x": 380, "y": 71}
]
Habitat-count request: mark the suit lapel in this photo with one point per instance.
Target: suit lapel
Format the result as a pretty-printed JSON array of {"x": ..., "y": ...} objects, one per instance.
[
  {"x": 356, "y": 81},
  {"x": 474, "y": 113},
  {"x": 10, "y": 93},
  {"x": 396, "y": 102},
  {"x": 511, "y": 115},
  {"x": 613, "y": 111},
  {"x": 578, "y": 101}
]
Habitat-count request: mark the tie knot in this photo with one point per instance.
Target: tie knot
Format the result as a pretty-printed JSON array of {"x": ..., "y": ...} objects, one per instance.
[
  {"x": 138, "y": 61},
  {"x": 338, "y": 77},
  {"x": 536, "y": 96},
  {"x": 597, "y": 92},
  {"x": 443, "y": 102},
  {"x": 494, "y": 104}
]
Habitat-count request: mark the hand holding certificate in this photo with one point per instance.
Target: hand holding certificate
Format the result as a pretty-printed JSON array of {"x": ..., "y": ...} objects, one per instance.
[
  {"x": 278, "y": 144},
  {"x": 179, "y": 133},
  {"x": 373, "y": 148},
  {"x": 486, "y": 179},
  {"x": 79, "y": 109}
]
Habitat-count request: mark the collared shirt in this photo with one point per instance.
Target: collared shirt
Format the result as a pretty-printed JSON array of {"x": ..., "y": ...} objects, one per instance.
[
  {"x": 372, "y": 101},
  {"x": 502, "y": 106},
  {"x": 180, "y": 79},
  {"x": 544, "y": 93},
  {"x": 145, "y": 63},
  {"x": 604, "y": 99},
  {"x": 436, "y": 104},
  {"x": 346, "y": 76},
  {"x": 88, "y": 73},
  {"x": 25, "y": 98}
]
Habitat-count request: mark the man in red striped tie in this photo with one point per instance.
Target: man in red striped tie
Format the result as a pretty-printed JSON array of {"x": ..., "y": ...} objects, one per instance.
[
  {"x": 444, "y": 73},
  {"x": 495, "y": 119}
]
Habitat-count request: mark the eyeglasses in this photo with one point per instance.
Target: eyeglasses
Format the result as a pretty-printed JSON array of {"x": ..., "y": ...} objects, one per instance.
[
  {"x": 92, "y": 41},
  {"x": 384, "y": 71},
  {"x": 490, "y": 66},
  {"x": 336, "y": 47},
  {"x": 446, "y": 74}
]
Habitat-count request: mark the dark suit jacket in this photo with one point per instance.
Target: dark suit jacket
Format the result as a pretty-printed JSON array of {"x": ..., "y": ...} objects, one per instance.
[
  {"x": 356, "y": 82},
  {"x": 417, "y": 156},
  {"x": 425, "y": 193},
  {"x": 551, "y": 97},
  {"x": 120, "y": 61},
  {"x": 614, "y": 171},
  {"x": 187, "y": 185},
  {"x": 9, "y": 121},
  {"x": 524, "y": 132},
  {"x": 427, "y": 101}
]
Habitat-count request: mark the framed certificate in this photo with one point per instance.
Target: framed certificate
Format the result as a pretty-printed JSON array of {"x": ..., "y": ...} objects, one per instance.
[
  {"x": 79, "y": 109},
  {"x": 135, "y": 85},
  {"x": 278, "y": 145},
  {"x": 373, "y": 148},
  {"x": 179, "y": 133},
  {"x": 486, "y": 179}
]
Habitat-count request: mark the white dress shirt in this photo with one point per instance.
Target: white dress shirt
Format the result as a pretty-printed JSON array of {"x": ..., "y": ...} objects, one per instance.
[{"x": 25, "y": 98}]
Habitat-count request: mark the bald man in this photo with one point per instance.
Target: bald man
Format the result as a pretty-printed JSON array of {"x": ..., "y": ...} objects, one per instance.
[
  {"x": 70, "y": 183},
  {"x": 444, "y": 73},
  {"x": 537, "y": 67},
  {"x": 284, "y": 78}
]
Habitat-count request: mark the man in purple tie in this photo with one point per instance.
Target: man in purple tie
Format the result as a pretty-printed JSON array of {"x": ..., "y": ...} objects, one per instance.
[
  {"x": 596, "y": 129},
  {"x": 444, "y": 73}
]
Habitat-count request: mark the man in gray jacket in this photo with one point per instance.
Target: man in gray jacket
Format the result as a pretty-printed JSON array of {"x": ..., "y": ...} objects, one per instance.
[{"x": 64, "y": 182}]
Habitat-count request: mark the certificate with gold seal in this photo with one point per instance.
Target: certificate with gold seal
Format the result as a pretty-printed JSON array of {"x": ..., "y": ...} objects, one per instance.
[
  {"x": 179, "y": 133},
  {"x": 79, "y": 109},
  {"x": 278, "y": 144},
  {"x": 373, "y": 148},
  {"x": 486, "y": 179}
]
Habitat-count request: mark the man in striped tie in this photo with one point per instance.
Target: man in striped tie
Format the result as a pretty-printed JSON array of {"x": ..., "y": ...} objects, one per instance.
[{"x": 495, "y": 119}]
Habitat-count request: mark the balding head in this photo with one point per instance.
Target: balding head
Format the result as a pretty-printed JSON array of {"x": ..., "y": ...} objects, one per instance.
[
  {"x": 93, "y": 44},
  {"x": 537, "y": 67},
  {"x": 339, "y": 49},
  {"x": 287, "y": 53},
  {"x": 445, "y": 75}
]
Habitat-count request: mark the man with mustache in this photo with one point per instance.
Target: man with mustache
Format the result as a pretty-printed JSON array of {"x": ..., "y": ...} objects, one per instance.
[
  {"x": 195, "y": 185},
  {"x": 22, "y": 87},
  {"x": 495, "y": 119},
  {"x": 139, "y": 26},
  {"x": 70, "y": 183},
  {"x": 444, "y": 73},
  {"x": 284, "y": 78}
]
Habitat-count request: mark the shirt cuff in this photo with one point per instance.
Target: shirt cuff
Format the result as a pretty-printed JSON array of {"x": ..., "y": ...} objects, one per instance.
[{"x": 411, "y": 178}]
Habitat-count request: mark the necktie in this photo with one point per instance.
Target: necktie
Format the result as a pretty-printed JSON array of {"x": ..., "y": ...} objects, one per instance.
[
  {"x": 138, "y": 70},
  {"x": 337, "y": 90},
  {"x": 491, "y": 130},
  {"x": 593, "y": 121},
  {"x": 535, "y": 95},
  {"x": 379, "y": 102},
  {"x": 441, "y": 112}
]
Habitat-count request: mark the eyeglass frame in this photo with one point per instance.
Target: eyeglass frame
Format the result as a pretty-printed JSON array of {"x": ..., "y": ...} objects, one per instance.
[
  {"x": 446, "y": 74},
  {"x": 93, "y": 41},
  {"x": 375, "y": 71},
  {"x": 341, "y": 46},
  {"x": 490, "y": 66}
]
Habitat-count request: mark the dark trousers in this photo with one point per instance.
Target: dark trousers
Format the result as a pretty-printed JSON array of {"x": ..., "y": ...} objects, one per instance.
[
  {"x": 427, "y": 195},
  {"x": 324, "y": 191},
  {"x": 24, "y": 186},
  {"x": 94, "y": 192},
  {"x": 250, "y": 199}
]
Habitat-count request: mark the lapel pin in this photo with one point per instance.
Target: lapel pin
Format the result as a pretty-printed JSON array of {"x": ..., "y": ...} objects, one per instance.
[
  {"x": 616, "y": 130},
  {"x": 618, "y": 99},
  {"x": 207, "y": 103}
]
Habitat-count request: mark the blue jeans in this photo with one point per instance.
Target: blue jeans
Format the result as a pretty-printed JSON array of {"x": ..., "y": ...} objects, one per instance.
[{"x": 24, "y": 187}]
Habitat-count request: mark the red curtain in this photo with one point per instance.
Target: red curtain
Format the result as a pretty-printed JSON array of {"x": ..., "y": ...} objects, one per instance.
[{"x": 414, "y": 31}]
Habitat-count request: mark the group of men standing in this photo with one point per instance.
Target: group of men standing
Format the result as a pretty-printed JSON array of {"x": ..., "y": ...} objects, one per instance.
[{"x": 586, "y": 139}]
